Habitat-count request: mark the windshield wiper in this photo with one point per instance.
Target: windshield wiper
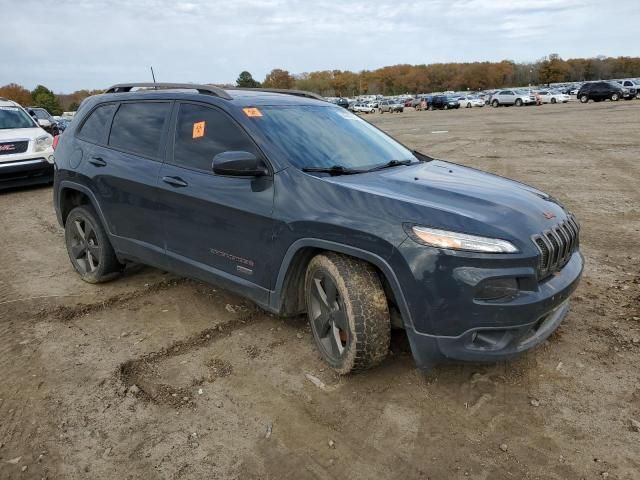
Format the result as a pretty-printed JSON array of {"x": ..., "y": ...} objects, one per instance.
[
  {"x": 389, "y": 164},
  {"x": 333, "y": 170}
]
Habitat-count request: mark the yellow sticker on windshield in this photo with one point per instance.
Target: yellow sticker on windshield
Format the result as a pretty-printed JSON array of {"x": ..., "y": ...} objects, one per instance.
[
  {"x": 252, "y": 112},
  {"x": 198, "y": 129}
]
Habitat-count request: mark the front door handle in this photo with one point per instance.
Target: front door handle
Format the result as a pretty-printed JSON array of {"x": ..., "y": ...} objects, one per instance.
[
  {"x": 98, "y": 161},
  {"x": 175, "y": 181}
]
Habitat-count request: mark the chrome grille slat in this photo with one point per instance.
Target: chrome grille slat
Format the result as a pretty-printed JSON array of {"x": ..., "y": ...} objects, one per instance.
[{"x": 556, "y": 246}]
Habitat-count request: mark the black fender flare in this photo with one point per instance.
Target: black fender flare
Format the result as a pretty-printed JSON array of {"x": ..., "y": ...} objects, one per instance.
[
  {"x": 68, "y": 184},
  {"x": 276, "y": 298}
]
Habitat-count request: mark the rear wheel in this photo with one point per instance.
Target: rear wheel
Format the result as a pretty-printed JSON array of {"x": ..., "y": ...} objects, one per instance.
[
  {"x": 584, "y": 99},
  {"x": 615, "y": 97},
  {"x": 348, "y": 312},
  {"x": 495, "y": 103},
  {"x": 89, "y": 249},
  {"x": 553, "y": 100}
]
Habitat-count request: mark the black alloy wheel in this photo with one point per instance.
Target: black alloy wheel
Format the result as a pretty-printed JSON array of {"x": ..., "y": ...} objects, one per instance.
[
  {"x": 84, "y": 247},
  {"x": 327, "y": 316}
]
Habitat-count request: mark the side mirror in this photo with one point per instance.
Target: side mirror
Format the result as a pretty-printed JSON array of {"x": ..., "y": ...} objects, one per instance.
[
  {"x": 240, "y": 164},
  {"x": 44, "y": 123}
]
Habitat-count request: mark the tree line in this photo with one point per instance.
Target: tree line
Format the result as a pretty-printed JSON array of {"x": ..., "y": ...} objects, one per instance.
[
  {"x": 413, "y": 79},
  {"x": 390, "y": 80}
]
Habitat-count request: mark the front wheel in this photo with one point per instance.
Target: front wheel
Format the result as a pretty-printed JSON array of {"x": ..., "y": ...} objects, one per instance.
[
  {"x": 495, "y": 104},
  {"x": 518, "y": 102},
  {"x": 615, "y": 97},
  {"x": 553, "y": 100},
  {"x": 89, "y": 249},
  {"x": 584, "y": 99},
  {"x": 348, "y": 312}
]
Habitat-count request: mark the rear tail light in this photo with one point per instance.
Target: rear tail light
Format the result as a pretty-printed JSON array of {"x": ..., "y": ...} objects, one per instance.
[{"x": 56, "y": 139}]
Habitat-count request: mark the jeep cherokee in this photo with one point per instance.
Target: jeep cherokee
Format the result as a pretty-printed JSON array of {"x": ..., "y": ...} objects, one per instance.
[{"x": 302, "y": 206}]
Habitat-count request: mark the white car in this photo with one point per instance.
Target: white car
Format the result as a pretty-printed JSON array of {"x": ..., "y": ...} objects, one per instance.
[
  {"x": 363, "y": 108},
  {"x": 512, "y": 97},
  {"x": 470, "y": 101},
  {"x": 26, "y": 150},
  {"x": 548, "y": 96}
]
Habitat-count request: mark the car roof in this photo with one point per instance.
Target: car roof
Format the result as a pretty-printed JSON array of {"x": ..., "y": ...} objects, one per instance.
[{"x": 8, "y": 103}]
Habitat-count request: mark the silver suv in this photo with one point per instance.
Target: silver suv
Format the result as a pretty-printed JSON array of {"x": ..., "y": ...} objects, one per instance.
[{"x": 512, "y": 97}]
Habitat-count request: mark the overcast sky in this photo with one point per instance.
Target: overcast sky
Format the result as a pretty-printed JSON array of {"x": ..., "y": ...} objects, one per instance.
[{"x": 67, "y": 45}]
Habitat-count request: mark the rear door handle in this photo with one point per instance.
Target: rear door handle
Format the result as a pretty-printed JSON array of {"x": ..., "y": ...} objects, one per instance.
[
  {"x": 175, "y": 181},
  {"x": 97, "y": 161}
]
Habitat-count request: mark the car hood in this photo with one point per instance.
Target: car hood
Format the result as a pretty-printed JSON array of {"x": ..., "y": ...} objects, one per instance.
[
  {"x": 8, "y": 134},
  {"x": 450, "y": 196}
]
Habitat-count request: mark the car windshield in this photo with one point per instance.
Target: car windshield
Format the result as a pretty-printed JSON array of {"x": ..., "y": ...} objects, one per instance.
[
  {"x": 14, "y": 117},
  {"x": 40, "y": 113},
  {"x": 320, "y": 136}
]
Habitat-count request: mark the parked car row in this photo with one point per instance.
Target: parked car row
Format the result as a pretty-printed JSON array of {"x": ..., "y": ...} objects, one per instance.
[{"x": 551, "y": 94}]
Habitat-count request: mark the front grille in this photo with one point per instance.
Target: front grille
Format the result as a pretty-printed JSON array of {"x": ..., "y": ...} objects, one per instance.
[
  {"x": 8, "y": 148},
  {"x": 556, "y": 246}
]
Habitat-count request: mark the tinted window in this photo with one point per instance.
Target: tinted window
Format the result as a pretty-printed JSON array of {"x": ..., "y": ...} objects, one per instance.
[
  {"x": 202, "y": 133},
  {"x": 96, "y": 127},
  {"x": 138, "y": 127}
]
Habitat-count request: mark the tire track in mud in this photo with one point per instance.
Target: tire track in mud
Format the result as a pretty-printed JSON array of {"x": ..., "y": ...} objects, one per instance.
[
  {"x": 140, "y": 371},
  {"x": 65, "y": 313}
]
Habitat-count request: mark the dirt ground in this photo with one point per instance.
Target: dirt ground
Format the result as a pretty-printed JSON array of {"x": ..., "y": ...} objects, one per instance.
[{"x": 153, "y": 376}]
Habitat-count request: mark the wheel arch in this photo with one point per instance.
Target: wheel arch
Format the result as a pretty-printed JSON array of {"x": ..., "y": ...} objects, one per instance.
[
  {"x": 287, "y": 297},
  {"x": 73, "y": 195}
]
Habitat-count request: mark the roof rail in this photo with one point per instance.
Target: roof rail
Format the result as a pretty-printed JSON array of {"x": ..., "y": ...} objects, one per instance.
[
  {"x": 205, "y": 89},
  {"x": 297, "y": 93}
]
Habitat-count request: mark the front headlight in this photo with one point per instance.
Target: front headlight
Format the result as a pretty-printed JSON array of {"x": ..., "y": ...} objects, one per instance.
[
  {"x": 43, "y": 142},
  {"x": 461, "y": 241}
]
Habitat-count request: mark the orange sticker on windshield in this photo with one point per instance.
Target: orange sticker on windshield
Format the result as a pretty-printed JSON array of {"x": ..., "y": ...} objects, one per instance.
[
  {"x": 252, "y": 112},
  {"x": 198, "y": 129}
]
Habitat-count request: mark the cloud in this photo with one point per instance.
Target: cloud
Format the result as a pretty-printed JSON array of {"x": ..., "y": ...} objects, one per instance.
[{"x": 90, "y": 44}]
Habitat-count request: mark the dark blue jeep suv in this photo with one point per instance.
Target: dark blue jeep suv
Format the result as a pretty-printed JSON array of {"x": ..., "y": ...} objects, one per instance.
[{"x": 302, "y": 206}]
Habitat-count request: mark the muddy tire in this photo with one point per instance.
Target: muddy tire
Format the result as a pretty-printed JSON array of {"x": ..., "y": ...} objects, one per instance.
[
  {"x": 347, "y": 311},
  {"x": 88, "y": 246}
]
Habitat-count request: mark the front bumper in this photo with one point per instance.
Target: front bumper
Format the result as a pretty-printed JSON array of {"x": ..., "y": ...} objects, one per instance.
[
  {"x": 449, "y": 323},
  {"x": 24, "y": 172}
]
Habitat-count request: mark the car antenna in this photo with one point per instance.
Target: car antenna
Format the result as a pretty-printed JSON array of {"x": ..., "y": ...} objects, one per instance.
[{"x": 153, "y": 76}]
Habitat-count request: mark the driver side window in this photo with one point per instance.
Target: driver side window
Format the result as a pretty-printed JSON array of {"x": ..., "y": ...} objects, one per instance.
[{"x": 203, "y": 132}]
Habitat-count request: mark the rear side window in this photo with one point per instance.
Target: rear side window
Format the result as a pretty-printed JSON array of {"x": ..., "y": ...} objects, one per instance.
[
  {"x": 96, "y": 128},
  {"x": 202, "y": 133},
  {"x": 138, "y": 128}
]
